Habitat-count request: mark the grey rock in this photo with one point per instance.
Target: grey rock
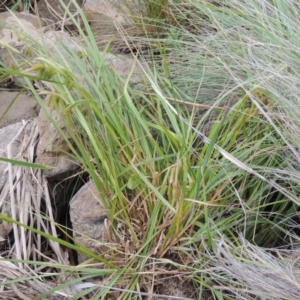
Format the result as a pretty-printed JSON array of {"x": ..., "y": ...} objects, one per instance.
[
  {"x": 87, "y": 216},
  {"x": 110, "y": 23},
  {"x": 60, "y": 44},
  {"x": 52, "y": 146},
  {"x": 56, "y": 42},
  {"x": 14, "y": 27},
  {"x": 19, "y": 107},
  {"x": 114, "y": 9},
  {"x": 13, "y": 24},
  {"x": 53, "y": 9}
]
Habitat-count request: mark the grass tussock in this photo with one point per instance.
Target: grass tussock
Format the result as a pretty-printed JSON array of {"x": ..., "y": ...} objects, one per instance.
[{"x": 203, "y": 150}]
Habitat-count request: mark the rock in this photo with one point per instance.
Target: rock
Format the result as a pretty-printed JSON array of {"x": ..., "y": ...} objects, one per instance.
[
  {"x": 114, "y": 9},
  {"x": 53, "y": 9},
  {"x": 28, "y": 105},
  {"x": 52, "y": 146},
  {"x": 56, "y": 42},
  {"x": 14, "y": 27},
  {"x": 87, "y": 216},
  {"x": 13, "y": 60},
  {"x": 61, "y": 45},
  {"x": 7, "y": 61},
  {"x": 110, "y": 22},
  {"x": 11, "y": 24},
  {"x": 122, "y": 65}
]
